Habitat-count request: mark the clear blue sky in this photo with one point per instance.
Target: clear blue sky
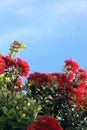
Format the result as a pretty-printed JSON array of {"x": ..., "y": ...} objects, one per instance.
[{"x": 53, "y": 31}]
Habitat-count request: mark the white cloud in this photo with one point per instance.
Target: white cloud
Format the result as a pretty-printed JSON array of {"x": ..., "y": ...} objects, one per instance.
[
  {"x": 24, "y": 11},
  {"x": 7, "y": 3},
  {"x": 55, "y": 7},
  {"x": 69, "y": 7},
  {"x": 12, "y": 3},
  {"x": 44, "y": 23},
  {"x": 25, "y": 32},
  {"x": 19, "y": 8}
]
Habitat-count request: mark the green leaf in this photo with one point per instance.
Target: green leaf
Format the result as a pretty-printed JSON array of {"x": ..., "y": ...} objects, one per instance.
[
  {"x": 22, "y": 45},
  {"x": 5, "y": 110},
  {"x": 3, "y": 118}
]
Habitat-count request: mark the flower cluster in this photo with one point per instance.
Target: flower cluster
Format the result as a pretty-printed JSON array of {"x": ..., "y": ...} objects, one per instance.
[
  {"x": 57, "y": 80},
  {"x": 45, "y": 123},
  {"x": 21, "y": 65},
  {"x": 2, "y": 64},
  {"x": 52, "y": 101},
  {"x": 17, "y": 110},
  {"x": 72, "y": 81},
  {"x": 78, "y": 82},
  {"x": 14, "y": 66}
]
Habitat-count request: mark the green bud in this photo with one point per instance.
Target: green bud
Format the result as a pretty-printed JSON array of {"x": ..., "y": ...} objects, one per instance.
[
  {"x": 23, "y": 115},
  {"x": 28, "y": 104},
  {"x": 22, "y": 45},
  {"x": 7, "y": 80}
]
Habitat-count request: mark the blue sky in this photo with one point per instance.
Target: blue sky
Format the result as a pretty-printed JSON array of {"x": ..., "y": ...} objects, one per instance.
[{"x": 53, "y": 31}]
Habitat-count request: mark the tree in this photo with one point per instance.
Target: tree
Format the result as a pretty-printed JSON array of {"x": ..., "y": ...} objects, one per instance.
[{"x": 60, "y": 98}]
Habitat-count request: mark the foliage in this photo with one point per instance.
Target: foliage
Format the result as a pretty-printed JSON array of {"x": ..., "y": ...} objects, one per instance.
[
  {"x": 16, "y": 109},
  {"x": 52, "y": 97}
]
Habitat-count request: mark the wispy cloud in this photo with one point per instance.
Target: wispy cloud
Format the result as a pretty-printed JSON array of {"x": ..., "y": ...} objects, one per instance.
[
  {"x": 32, "y": 33},
  {"x": 12, "y": 3},
  {"x": 55, "y": 7},
  {"x": 7, "y": 3},
  {"x": 69, "y": 7},
  {"x": 43, "y": 19}
]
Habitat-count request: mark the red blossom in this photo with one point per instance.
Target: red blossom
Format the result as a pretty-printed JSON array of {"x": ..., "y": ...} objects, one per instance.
[
  {"x": 45, "y": 123},
  {"x": 81, "y": 74},
  {"x": 39, "y": 79},
  {"x": 61, "y": 82},
  {"x": 77, "y": 95},
  {"x": 19, "y": 82},
  {"x": 18, "y": 86},
  {"x": 16, "y": 43},
  {"x": 32, "y": 127},
  {"x": 58, "y": 80},
  {"x": 70, "y": 75},
  {"x": 9, "y": 61},
  {"x": 71, "y": 65},
  {"x": 2, "y": 64},
  {"x": 22, "y": 67},
  {"x": 64, "y": 84}
]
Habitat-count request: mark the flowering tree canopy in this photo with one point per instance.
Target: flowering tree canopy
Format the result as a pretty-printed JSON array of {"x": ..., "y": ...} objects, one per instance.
[{"x": 53, "y": 101}]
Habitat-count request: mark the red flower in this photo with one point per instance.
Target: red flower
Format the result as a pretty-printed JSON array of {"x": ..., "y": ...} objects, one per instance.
[
  {"x": 60, "y": 81},
  {"x": 22, "y": 67},
  {"x": 2, "y": 64},
  {"x": 16, "y": 44},
  {"x": 45, "y": 123},
  {"x": 18, "y": 86},
  {"x": 81, "y": 74},
  {"x": 32, "y": 127},
  {"x": 19, "y": 82},
  {"x": 70, "y": 75},
  {"x": 39, "y": 79},
  {"x": 9, "y": 61},
  {"x": 71, "y": 65},
  {"x": 79, "y": 94}
]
